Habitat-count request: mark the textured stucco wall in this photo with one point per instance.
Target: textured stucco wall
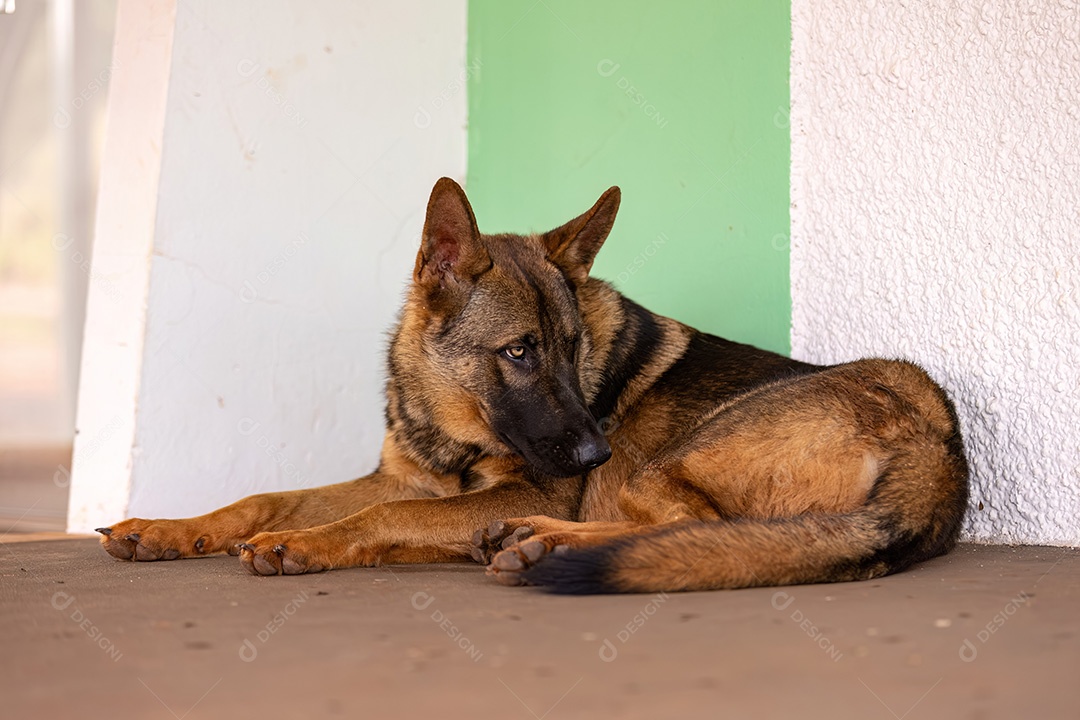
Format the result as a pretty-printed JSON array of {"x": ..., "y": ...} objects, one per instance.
[{"x": 935, "y": 189}]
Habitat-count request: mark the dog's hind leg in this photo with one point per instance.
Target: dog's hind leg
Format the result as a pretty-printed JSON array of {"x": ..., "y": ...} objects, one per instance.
[{"x": 652, "y": 497}]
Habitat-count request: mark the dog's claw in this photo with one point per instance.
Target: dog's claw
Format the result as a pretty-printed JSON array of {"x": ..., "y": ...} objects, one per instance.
[
  {"x": 283, "y": 554},
  {"x": 150, "y": 540}
]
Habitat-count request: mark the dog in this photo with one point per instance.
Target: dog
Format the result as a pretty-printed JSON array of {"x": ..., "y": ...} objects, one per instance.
[{"x": 540, "y": 422}]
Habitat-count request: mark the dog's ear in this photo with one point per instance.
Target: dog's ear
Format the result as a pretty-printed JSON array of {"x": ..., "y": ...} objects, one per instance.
[
  {"x": 573, "y": 246},
  {"x": 451, "y": 254}
]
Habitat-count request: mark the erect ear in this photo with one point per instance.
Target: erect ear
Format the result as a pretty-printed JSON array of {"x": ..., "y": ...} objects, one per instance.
[
  {"x": 451, "y": 255},
  {"x": 574, "y": 245}
]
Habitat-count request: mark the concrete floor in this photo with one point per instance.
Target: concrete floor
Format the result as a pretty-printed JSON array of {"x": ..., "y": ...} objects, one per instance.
[
  {"x": 34, "y": 488},
  {"x": 987, "y": 632}
]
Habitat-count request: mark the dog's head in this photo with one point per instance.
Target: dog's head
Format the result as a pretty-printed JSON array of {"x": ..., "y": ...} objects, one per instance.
[{"x": 500, "y": 335}]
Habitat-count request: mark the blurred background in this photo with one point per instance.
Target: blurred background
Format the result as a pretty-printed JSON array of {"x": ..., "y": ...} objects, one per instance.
[{"x": 54, "y": 73}]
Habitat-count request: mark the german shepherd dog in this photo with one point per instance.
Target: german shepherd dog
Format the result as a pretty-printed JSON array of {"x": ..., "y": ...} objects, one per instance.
[{"x": 601, "y": 448}]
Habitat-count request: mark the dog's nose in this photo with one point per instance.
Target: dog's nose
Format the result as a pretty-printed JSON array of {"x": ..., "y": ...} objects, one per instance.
[{"x": 592, "y": 452}]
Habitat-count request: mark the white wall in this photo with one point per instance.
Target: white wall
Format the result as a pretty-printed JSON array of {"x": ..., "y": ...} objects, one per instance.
[
  {"x": 260, "y": 269},
  {"x": 935, "y": 188}
]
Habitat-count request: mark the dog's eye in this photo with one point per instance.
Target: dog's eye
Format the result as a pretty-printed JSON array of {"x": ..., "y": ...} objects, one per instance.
[{"x": 515, "y": 352}]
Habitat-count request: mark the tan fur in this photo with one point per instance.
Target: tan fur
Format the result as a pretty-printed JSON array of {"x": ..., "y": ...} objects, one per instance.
[{"x": 729, "y": 466}]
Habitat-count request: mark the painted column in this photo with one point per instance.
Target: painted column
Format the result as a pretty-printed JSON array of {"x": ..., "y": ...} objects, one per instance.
[{"x": 266, "y": 170}]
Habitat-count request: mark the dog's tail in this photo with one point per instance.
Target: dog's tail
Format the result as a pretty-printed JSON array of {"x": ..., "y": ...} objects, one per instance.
[{"x": 913, "y": 513}]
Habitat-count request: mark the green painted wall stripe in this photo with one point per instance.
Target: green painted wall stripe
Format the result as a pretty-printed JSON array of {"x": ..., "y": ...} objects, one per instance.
[{"x": 681, "y": 104}]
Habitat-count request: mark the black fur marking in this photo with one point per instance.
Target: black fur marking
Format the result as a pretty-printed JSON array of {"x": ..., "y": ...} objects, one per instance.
[
  {"x": 901, "y": 550},
  {"x": 731, "y": 367},
  {"x": 470, "y": 479},
  {"x": 635, "y": 344},
  {"x": 426, "y": 443},
  {"x": 955, "y": 446},
  {"x": 432, "y": 448},
  {"x": 576, "y": 572}
]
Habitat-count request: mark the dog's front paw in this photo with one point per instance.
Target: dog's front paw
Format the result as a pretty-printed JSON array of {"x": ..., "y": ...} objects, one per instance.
[
  {"x": 283, "y": 553},
  {"x": 496, "y": 537},
  {"x": 146, "y": 540}
]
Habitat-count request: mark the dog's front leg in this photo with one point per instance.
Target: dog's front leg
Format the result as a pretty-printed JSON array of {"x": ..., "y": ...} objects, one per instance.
[
  {"x": 405, "y": 531},
  {"x": 224, "y": 529}
]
